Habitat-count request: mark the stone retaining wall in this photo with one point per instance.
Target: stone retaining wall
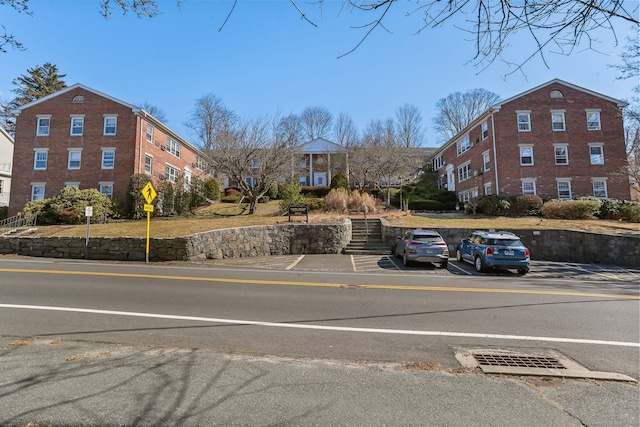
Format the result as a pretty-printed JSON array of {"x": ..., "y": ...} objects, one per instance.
[
  {"x": 552, "y": 245},
  {"x": 226, "y": 243}
]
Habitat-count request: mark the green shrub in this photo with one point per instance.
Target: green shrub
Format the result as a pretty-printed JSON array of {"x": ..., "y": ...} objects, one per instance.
[
  {"x": 570, "y": 209},
  {"x": 234, "y": 198},
  {"x": 610, "y": 208},
  {"x": 340, "y": 180},
  {"x": 630, "y": 211},
  {"x": 290, "y": 193},
  {"x": 135, "y": 200},
  {"x": 314, "y": 204},
  {"x": 212, "y": 189},
  {"x": 495, "y": 205},
  {"x": 68, "y": 207},
  {"x": 315, "y": 191},
  {"x": 527, "y": 204}
]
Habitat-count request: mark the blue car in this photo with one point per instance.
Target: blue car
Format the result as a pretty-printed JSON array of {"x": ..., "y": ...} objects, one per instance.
[{"x": 494, "y": 249}]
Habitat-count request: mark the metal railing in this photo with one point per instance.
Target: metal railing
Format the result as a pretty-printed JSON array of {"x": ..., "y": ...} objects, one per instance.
[{"x": 18, "y": 221}]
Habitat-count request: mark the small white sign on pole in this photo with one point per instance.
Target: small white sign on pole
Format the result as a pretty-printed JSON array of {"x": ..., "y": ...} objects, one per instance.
[{"x": 88, "y": 211}]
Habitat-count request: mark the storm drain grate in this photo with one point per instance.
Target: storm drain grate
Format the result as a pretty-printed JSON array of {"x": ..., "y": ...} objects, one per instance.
[{"x": 518, "y": 361}]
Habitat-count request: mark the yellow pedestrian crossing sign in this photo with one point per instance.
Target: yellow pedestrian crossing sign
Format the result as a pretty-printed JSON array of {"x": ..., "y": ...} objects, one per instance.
[{"x": 148, "y": 192}]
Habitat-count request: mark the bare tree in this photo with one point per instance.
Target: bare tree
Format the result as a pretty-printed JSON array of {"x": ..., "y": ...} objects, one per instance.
[
  {"x": 155, "y": 111},
  {"x": 316, "y": 122},
  {"x": 386, "y": 157},
  {"x": 409, "y": 120},
  {"x": 345, "y": 131},
  {"x": 211, "y": 121},
  {"x": 255, "y": 156},
  {"x": 458, "y": 110}
]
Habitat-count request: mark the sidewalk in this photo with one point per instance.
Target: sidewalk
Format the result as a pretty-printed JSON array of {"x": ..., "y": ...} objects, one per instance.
[{"x": 63, "y": 383}]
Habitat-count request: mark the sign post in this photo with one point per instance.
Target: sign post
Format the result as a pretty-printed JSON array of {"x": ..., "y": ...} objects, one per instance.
[
  {"x": 149, "y": 193},
  {"x": 88, "y": 212}
]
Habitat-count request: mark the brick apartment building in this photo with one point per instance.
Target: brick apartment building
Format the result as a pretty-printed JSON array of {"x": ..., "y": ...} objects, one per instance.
[
  {"x": 87, "y": 139},
  {"x": 557, "y": 140}
]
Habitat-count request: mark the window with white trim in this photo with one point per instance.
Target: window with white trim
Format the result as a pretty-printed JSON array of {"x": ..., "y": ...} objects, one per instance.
[
  {"x": 106, "y": 188},
  {"x": 564, "y": 189},
  {"x": 172, "y": 173},
  {"x": 173, "y": 147},
  {"x": 561, "y": 155},
  {"x": 77, "y": 125},
  {"x": 464, "y": 172},
  {"x": 438, "y": 162},
  {"x": 485, "y": 130},
  {"x": 44, "y": 125},
  {"x": 108, "y": 158},
  {"x": 255, "y": 164},
  {"x": 1, "y": 186},
  {"x": 252, "y": 181},
  {"x": 110, "y": 125},
  {"x": 528, "y": 186},
  {"x": 148, "y": 164},
  {"x": 596, "y": 154},
  {"x": 557, "y": 121},
  {"x": 487, "y": 189},
  {"x": 74, "y": 184},
  {"x": 303, "y": 181},
  {"x": 37, "y": 191},
  {"x": 303, "y": 162},
  {"x": 149, "y": 135},
  {"x": 40, "y": 159},
  {"x": 486, "y": 162},
  {"x": 524, "y": 121},
  {"x": 463, "y": 145},
  {"x": 526, "y": 156},
  {"x": 75, "y": 158},
  {"x": 593, "y": 119},
  {"x": 600, "y": 188}
]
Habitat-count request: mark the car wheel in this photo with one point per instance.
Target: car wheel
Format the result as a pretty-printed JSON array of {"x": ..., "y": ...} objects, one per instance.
[
  {"x": 458, "y": 255},
  {"x": 479, "y": 264},
  {"x": 444, "y": 264},
  {"x": 523, "y": 270},
  {"x": 405, "y": 261}
]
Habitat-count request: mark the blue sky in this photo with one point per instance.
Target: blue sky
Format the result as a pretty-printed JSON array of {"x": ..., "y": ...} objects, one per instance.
[{"x": 268, "y": 61}]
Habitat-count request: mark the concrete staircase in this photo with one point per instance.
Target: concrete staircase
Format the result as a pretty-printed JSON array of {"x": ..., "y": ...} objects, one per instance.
[{"x": 363, "y": 243}]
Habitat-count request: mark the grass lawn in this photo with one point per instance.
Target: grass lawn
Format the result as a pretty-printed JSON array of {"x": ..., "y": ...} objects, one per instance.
[{"x": 227, "y": 215}]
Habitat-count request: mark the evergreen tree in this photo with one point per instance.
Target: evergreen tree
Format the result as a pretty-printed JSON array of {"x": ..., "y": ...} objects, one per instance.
[{"x": 39, "y": 82}]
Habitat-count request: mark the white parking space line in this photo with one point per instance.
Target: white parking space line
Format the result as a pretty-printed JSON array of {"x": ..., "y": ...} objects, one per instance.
[
  {"x": 460, "y": 269},
  {"x": 294, "y": 263},
  {"x": 324, "y": 327}
]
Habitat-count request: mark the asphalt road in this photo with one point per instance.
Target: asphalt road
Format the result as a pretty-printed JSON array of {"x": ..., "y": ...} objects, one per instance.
[{"x": 362, "y": 319}]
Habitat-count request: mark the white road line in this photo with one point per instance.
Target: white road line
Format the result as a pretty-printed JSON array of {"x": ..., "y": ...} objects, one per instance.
[
  {"x": 294, "y": 263},
  {"x": 461, "y": 269},
  {"x": 322, "y": 327}
]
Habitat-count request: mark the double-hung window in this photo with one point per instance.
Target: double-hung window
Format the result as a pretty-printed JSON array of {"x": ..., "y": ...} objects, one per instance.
[
  {"x": 149, "y": 133},
  {"x": 526, "y": 155},
  {"x": 599, "y": 187},
  {"x": 40, "y": 159},
  {"x": 528, "y": 186},
  {"x": 75, "y": 158},
  {"x": 593, "y": 119},
  {"x": 557, "y": 120},
  {"x": 110, "y": 125},
  {"x": 485, "y": 130},
  {"x": 596, "y": 154},
  {"x": 172, "y": 174},
  {"x": 564, "y": 188},
  {"x": 37, "y": 191},
  {"x": 561, "y": 154},
  {"x": 108, "y": 158},
  {"x": 524, "y": 121},
  {"x": 173, "y": 147},
  {"x": 44, "y": 125},
  {"x": 486, "y": 161},
  {"x": 464, "y": 172},
  {"x": 463, "y": 145},
  {"x": 148, "y": 164},
  {"x": 77, "y": 125},
  {"x": 106, "y": 188}
]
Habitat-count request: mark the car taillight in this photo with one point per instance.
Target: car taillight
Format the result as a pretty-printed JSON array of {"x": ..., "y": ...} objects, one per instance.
[
  {"x": 489, "y": 251},
  {"x": 527, "y": 254}
]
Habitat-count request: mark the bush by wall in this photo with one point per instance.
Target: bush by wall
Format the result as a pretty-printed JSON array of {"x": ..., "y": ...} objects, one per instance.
[
  {"x": 495, "y": 205},
  {"x": 570, "y": 209},
  {"x": 527, "y": 204},
  {"x": 630, "y": 211},
  {"x": 315, "y": 191},
  {"x": 69, "y": 206}
]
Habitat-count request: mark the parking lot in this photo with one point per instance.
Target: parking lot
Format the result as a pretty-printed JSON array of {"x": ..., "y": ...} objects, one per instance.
[{"x": 387, "y": 264}]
